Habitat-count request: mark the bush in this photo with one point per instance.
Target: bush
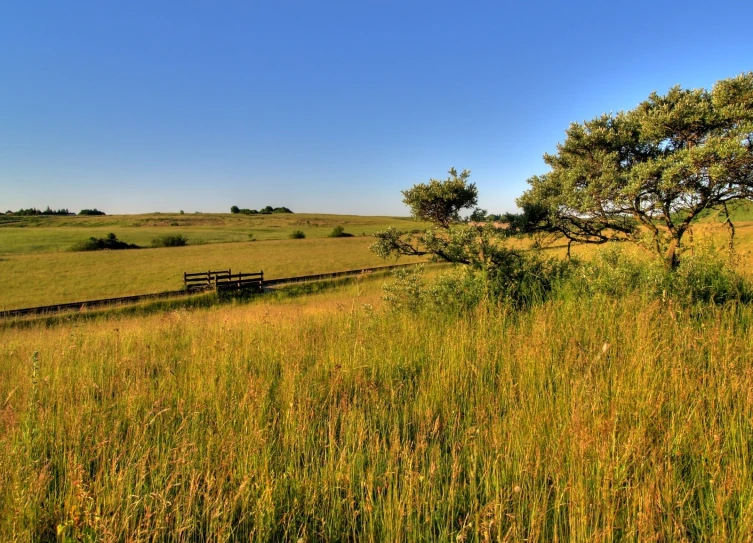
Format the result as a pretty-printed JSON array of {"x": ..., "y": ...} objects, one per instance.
[
  {"x": 176, "y": 240},
  {"x": 91, "y": 212},
  {"x": 98, "y": 244},
  {"x": 297, "y": 234},
  {"x": 407, "y": 289},
  {"x": 339, "y": 232},
  {"x": 518, "y": 279},
  {"x": 704, "y": 276}
]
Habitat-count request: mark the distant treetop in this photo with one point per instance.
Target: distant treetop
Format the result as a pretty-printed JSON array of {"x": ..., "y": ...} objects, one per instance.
[
  {"x": 35, "y": 211},
  {"x": 91, "y": 212},
  {"x": 264, "y": 211}
]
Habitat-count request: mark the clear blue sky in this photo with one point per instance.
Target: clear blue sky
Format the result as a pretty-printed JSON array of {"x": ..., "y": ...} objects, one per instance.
[{"x": 325, "y": 106}]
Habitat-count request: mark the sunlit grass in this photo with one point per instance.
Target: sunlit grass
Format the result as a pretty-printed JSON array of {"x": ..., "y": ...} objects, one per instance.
[
  {"x": 326, "y": 418},
  {"x": 44, "y": 279},
  {"x": 53, "y": 234}
]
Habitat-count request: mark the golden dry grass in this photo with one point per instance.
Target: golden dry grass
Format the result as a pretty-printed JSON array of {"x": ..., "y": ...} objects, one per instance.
[{"x": 322, "y": 419}]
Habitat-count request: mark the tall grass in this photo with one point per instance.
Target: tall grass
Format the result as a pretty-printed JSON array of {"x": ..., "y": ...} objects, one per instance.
[{"x": 593, "y": 419}]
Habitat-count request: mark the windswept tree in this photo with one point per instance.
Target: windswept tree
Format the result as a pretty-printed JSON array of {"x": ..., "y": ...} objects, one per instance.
[
  {"x": 440, "y": 202},
  {"x": 449, "y": 238},
  {"x": 648, "y": 173},
  {"x": 501, "y": 272}
]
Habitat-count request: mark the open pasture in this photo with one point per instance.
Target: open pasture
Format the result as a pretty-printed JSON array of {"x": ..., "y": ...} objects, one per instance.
[
  {"x": 43, "y": 234},
  {"x": 49, "y": 278},
  {"x": 47, "y": 275}
]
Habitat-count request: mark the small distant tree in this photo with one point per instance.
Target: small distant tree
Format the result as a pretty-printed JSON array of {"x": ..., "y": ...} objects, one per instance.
[
  {"x": 91, "y": 212},
  {"x": 297, "y": 234},
  {"x": 235, "y": 209}
]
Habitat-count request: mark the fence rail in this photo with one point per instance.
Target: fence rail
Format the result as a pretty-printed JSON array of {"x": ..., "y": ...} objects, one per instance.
[{"x": 196, "y": 289}]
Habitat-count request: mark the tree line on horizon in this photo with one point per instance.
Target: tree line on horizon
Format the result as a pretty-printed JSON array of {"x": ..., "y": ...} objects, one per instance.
[
  {"x": 264, "y": 211},
  {"x": 49, "y": 211}
]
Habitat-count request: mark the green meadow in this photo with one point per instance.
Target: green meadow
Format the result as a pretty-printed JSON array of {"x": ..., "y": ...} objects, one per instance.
[
  {"x": 45, "y": 234},
  {"x": 39, "y": 270}
]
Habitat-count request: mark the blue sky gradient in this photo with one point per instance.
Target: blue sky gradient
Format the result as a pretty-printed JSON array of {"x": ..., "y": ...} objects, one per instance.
[{"x": 324, "y": 106}]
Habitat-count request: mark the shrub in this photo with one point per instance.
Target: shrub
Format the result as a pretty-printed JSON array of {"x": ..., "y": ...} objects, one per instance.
[
  {"x": 406, "y": 291},
  {"x": 456, "y": 291},
  {"x": 704, "y": 276},
  {"x": 91, "y": 212},
  {"x": 339, "y": 232},
  {"x": 297, "y": 234},
  {"x": 97, "y": 244},
  {"x": 518, "y": 279},
  {"x": 175, "y": 240}
]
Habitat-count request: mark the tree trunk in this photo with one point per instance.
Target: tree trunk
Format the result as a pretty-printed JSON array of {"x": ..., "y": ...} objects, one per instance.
[
  {"x": 670, "y": 257},
  {"x": 731, "y": 227}
]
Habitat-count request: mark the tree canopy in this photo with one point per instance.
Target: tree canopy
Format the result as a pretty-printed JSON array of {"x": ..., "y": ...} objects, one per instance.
[
  {"x": 649, "y": 171},
  {"x": 440, "y": 202}
]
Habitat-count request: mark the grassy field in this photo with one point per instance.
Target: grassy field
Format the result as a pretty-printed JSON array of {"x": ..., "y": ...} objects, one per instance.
[
  {"x": 327, "y": 418},
  {"x": 44, "y": 234},
  {"x": 47, "y": 275},
  {"x": 49, "y": 278}
]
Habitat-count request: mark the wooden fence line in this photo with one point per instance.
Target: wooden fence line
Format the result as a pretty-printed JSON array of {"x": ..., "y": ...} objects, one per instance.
[{"x": 90, "y": 304}]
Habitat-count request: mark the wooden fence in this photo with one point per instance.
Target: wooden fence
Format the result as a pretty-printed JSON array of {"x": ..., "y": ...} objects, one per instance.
[
  {"x": 195, "y": 283},
  {"x": 224, "y": 280}
]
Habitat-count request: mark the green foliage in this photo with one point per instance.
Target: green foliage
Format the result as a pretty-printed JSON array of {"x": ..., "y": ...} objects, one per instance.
[
  {"x": 510, "y": 275},
  {"x": 174, "y": 240},
  {"x": 268, "y": 210},
  {"x": 297, "y": 234},
  {"x": 440, "y": 202},
  {"x": 457, "y": 291},
  {"x": 110, "y": 242},
  {"x": 405, "y": 292},
  {"x": 339, "y": 232},
  {"x": 34, "y": 211},
  {"x": 518, "y": 279},
  {"x": 704, "y": 275},
  {"x": 91, "y": 212},
  {"x": 655, "y": 168}
]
